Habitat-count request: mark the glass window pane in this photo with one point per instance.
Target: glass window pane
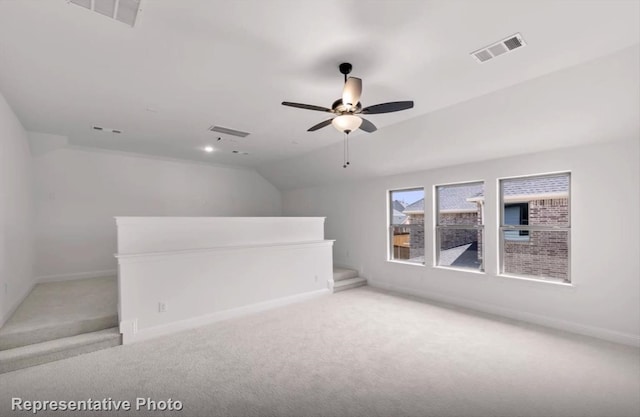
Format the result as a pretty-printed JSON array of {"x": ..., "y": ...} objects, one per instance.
[
  {"x": 408, "y": 243},
  {"x": 406, "y": 218},
  {"x": 542, "y": 254},
  {"x": 542, "y": 201},
  {"x": 460, "y": 204},
  {"x": 460, "y": 248}
]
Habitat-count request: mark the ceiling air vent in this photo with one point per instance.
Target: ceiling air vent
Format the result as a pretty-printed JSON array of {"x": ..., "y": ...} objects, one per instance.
[
  {"x": 496, "y": 49},
  {"x": 228, "y": 131},
  {"x": 105, "y": 129},
  {"x": 125, "y": 11}
]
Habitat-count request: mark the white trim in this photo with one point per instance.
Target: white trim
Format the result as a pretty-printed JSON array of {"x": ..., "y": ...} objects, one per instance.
[
  {"x": 453, "y": 268},
  {"x": 525, "y": 198},
  {"x": 288, "y": 245},
  {"x": 554, "y": 281},
  {"x": 270, "y": 220},
  {"x": 4, "y": 318},
  {"x": 568, "y": 326},
  {"x": 396, "y": 261},
  {"x": 533, "y": 197},
  {"x": 77, "y": 275},
  {"x": 186, "y": 324},
  {"x": 455, "y": 211}
]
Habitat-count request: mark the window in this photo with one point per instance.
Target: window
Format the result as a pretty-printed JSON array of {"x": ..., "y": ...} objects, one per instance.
[
  {"x": 517, "y": 215},
  {"x": 535, "y": 226},
  {"x": 406, "y": 225},
  {"x": 460, "y": 225}
]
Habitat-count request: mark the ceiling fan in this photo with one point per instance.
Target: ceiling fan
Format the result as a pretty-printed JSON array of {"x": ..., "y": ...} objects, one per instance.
[{"x": 347, "y": 110}]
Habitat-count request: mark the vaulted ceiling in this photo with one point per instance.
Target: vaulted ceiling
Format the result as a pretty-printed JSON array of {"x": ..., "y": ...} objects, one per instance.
[{"x": 189, "y": 64}]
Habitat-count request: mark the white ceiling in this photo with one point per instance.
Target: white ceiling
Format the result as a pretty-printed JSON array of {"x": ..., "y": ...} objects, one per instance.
[
  {"x": 189, "y": 64},
  {"x": 594, "y": 102}
]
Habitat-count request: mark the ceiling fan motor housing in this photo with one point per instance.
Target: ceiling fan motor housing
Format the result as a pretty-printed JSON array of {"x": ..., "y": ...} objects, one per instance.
[{"x": 338, "y": 107}]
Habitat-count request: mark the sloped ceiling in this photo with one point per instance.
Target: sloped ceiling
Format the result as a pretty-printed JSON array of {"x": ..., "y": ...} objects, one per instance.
[
  {"x": 189, "y": 64},
  {"x": 598, "y": 101}
]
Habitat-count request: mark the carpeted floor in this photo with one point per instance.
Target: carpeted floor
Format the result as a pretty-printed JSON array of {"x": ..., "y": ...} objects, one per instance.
[
  {"x": 362, "y": 352},
  {"x": 52, "y": 303}
]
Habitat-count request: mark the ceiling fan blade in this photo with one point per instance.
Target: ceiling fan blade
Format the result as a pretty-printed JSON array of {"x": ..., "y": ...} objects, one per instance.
[
  {"x": 306, "y": 106},
  {"x": 352, "y": 91},
  {"x": 388, "y": 107},
  {"x": 367, "y": 126},
  {"x": 320, "y": 125}
]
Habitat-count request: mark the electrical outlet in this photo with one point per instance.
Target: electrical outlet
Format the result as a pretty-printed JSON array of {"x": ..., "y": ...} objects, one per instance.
[{"x": 162, "y": 307}]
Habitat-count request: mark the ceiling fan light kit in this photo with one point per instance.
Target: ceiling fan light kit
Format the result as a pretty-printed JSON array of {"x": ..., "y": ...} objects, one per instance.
[
  {"x": 346, "y": 123},
  {"x": 347, "y": 110}
]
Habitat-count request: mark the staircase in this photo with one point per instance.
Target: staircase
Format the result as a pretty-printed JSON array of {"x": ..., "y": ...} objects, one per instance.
[
  {"x": 59, "y": 320},
  {"x": 345, "y": 279}
]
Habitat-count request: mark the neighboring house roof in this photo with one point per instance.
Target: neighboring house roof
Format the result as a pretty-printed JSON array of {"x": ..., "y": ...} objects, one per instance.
[
  {"x": 398, "y": 205},
  {"x": 536, "y": 186},
  {"x": 416, "y": 207},
  {"x": 556, "y": 186},
  {"x": 398, "y": 217},
  {"x": 461, "y": 198},
  {"x": 455, "y": 198}
]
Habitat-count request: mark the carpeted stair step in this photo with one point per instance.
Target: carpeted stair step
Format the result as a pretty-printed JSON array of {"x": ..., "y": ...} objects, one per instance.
[
  {"x": 53, "y": 350},
  {"x": 341, "y": 274},
  {"x": 15, "y": 337},
  {"x": 347, "y": 284}
]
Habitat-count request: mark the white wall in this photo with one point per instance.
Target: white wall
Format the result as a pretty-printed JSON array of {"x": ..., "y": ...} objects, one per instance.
[
  {"x": 208, "y": 268},
  {"x": 16, "y": 212},
  {"x": 80, "y": 192},
  {"x": 605, "y": 266}
]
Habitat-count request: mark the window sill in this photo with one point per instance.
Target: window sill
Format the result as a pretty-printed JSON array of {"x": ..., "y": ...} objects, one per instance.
[
  {"x": 393, "y": 261},
  {"x": 449, "y": 268},
  {"x": 540, "y": 280}
]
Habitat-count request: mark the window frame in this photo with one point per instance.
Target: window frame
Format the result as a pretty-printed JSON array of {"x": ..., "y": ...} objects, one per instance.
[
  {"x": 529, "y": 228},
  {"x": 390, "y": 225},
  {"x": 438, "y": 227}
]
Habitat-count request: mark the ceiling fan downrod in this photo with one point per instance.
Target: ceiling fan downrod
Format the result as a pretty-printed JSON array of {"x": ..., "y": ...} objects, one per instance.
[{"x": 345, "y": 69}]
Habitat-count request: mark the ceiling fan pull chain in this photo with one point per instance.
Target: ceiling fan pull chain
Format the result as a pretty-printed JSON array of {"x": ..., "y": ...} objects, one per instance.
[
  {"x": 344, "y": 151},
  {"x": 347, "y": 140}
]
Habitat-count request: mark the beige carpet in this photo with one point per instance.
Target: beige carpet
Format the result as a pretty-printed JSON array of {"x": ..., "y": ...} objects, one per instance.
[
  {"x": 361, "y": 352},
  {"x": 57, "y": 310},
  {"x": 51, "y": 303}
]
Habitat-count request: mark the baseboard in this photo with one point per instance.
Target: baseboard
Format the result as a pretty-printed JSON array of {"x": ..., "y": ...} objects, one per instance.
[
  {"x": 16, "y": 304},
  {"x": 76, "y": 275},
  {"x": 129, "y": 337},
  {"x": 572, "y": 327}
]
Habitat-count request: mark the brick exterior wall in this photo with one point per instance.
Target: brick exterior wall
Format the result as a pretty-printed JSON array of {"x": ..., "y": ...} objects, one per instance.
[
  {"x": 416, "y": 238},
  {"x": 452, "y": 238},
  {"x": 545, "y": 253}
]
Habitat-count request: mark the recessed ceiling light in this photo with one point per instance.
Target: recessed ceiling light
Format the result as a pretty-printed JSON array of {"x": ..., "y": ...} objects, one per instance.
[
  {"x": 208, "y": 149},
  {"x": 240, "y": 153}
]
